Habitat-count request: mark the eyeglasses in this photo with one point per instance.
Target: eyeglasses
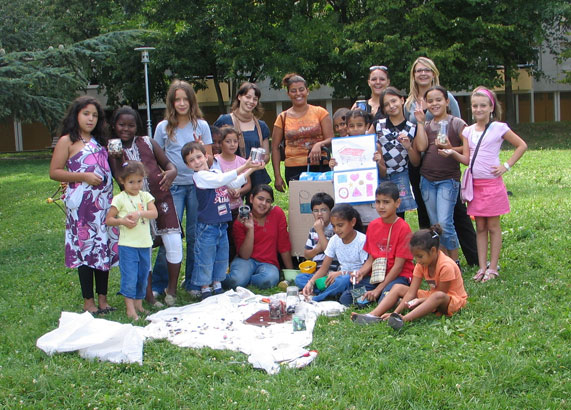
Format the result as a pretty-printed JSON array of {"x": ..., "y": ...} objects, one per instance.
[
  {"x": 423, "y": 70},
  {"x": 379, "y": 67},
  {"x": 320, "y": 211}
]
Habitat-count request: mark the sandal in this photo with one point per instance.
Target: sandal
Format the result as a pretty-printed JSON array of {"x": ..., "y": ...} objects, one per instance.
[
  {"x": 479, "y": 275},
  {"x": 396, "y": 321},
  {"x": 490, "y": 274},
  {"x": 106, "y": 310}
]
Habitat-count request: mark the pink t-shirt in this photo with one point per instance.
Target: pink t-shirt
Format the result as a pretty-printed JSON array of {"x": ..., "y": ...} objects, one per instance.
[
  {"x": 226, "y": 166},
  {"x": 489, "y": 152}
]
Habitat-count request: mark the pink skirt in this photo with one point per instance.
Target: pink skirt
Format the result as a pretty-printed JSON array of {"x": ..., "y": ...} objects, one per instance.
[{"x": 490, "y": 198}]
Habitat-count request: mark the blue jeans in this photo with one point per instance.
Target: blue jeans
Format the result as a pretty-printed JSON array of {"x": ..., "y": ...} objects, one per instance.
[
  {"x": 184, "y": 197},
  {"x": 339, "y": 285},
  {"x": 347, "y": 299},
  {"x": 440, "y": 200},
  {"x": 135, "y": 264},
  {"x": 244, "y": 272},
  {"x": 210, "y": 254}
]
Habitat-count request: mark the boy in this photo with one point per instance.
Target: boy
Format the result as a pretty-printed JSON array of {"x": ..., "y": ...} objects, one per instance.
[
  {"x": 399, "y": 258},
  {"x": 319, "y": 235},
  {"x": 211, "y": 244}
]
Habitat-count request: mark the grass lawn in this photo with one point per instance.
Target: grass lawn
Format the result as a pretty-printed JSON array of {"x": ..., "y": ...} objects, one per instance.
[{"x": 509, "y": 348}]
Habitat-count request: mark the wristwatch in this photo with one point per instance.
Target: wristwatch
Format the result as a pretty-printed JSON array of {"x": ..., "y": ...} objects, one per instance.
[{"x": 506, "y": 166}]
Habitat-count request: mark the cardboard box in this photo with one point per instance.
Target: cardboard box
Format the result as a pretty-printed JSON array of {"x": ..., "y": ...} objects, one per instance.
[{"x": 300, "y": 216}]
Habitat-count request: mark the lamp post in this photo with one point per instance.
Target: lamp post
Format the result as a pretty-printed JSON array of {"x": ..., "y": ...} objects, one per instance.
[{"x": 145, "y": 60}]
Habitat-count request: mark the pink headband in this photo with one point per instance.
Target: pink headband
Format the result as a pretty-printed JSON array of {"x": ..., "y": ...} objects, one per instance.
[{"x": 489, "y": 95}]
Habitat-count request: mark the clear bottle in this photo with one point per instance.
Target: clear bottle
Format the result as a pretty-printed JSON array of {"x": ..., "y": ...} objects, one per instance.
[{"x": 442, "y": 136}]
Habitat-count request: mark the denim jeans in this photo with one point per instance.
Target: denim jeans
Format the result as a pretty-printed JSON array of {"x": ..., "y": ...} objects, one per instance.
[
  {"x": 184, "y": 197},
  {"x": 210, "y": 254},
  {"x": 402, "y": 181},
  {"x": 440, "y": 200},
  {"x": 244, "y": 272},
  {"x": 339, "y": 285},
  {"x": 135, "y": 264},
  {"x": 347, "y": 299}
]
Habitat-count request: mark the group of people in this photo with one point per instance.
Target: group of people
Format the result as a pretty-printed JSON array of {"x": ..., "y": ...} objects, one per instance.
[{"x": 205, "y": 173}]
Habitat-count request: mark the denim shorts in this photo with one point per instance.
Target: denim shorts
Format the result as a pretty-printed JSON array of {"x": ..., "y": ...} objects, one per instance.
[{"x": 407, "y": 202}]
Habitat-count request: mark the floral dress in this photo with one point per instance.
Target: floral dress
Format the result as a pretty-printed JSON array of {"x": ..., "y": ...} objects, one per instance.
[{"x": 88, "y": 241}]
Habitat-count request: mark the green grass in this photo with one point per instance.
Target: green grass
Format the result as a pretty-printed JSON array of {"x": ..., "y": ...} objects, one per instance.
[{"x": 509, "y": 348}]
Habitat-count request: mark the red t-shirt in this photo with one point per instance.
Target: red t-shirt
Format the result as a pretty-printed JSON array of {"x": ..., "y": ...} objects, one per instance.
[
  {"x": 269, "y": 240},
  {"x": 376, "y": 244}
]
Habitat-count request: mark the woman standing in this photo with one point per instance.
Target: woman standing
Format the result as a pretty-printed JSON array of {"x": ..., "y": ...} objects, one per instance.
[
  {"x": 254, "y": 133},
  {"x": 378, "y": 81},
  {"x": 423, "y": 75},
  {"x": 306, "y": 129}
]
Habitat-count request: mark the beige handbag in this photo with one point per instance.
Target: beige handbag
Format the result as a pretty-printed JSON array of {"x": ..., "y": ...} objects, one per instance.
[{"x": 380, "y": 264}]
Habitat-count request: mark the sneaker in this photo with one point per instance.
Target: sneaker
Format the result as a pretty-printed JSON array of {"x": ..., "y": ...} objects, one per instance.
[
  {"x": 205, "y": 293},
  {"x": 194, "y": 293},
  {"x": 218, "y": 291},
  {"x": 395, "y": 321},
  {"x": 170, "y": 300}
]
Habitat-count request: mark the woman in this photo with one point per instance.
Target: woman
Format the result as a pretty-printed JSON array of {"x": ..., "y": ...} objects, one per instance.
[
  {"x": 423, "y": 75},
  {"x": 183, "y": 123},
  {"x": 378, "y": 80},
  {"x": 259, "y": 238},
  {"x": 254, "y": 133},
  {"x": 306, "y": 129}
]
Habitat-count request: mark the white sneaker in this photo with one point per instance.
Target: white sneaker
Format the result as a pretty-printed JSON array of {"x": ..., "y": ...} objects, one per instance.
[{"x": 170, "y": 300}]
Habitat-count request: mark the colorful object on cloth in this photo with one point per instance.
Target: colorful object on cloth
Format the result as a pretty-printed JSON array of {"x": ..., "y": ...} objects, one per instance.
[{"x": 308, "y": 267}]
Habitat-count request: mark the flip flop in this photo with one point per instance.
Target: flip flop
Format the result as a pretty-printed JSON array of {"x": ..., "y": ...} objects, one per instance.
[
  {"x": 479, "y": 275},
  {"x": 365, "y": 319},
  {"x": 395, "y": 321},
  {"x": 107, "y": 310},
  {"x": 490, "y": 274}
]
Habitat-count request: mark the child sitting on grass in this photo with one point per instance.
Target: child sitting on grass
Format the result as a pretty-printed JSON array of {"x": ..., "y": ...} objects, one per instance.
[
  {"x": 446, "y": 295},
  {"x": 211, "y": 242},
  {"x": 319, "y": 235},
  {"x": 131, "y": 210},
  {"x": 387, "y": 237}
]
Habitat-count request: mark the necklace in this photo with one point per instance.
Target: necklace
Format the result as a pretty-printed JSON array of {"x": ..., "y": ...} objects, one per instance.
[{"x": 138, "y": 207}]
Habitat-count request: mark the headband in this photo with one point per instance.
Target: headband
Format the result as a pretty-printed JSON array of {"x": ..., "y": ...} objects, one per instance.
[{"x": 489, "y": 95}]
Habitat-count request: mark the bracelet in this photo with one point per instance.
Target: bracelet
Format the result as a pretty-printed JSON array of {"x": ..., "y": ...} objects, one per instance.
[{"x": 507, "y": 166}]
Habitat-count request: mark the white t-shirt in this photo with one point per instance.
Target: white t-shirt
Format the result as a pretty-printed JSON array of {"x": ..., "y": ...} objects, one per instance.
[{"x": 351, "y": 256}]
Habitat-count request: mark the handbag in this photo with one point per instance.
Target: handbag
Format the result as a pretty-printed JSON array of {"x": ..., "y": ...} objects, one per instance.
[
  {"x": 380, "y": 264},
  {"x": 467, "y": 184}
]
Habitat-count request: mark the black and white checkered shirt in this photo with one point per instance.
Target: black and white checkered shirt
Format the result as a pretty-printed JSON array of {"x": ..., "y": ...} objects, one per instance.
[{"x": 394, "y": 154}]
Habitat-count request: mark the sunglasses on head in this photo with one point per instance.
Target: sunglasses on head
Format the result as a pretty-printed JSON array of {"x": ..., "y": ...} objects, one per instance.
[{"x": 379, "y": 67}]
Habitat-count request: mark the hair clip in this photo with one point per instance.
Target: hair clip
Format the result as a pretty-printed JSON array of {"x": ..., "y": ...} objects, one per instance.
[{"x": 434, "y": 234}]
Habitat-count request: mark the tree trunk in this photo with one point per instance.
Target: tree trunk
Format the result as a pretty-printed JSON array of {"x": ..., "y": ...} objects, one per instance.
[
  {"x": 510, "y": 111},
  {"x": 221, "y": 105}
]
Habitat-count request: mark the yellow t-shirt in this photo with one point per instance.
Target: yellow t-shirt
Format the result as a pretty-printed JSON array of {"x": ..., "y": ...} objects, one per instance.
[
  {"x": 301, "y": 133},
  {"x": 140, "y": 235}
]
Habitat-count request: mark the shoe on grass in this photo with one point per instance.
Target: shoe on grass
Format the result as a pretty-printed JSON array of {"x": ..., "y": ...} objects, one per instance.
[
  {"x": 195, "y": 294},
  {"x": 205, "y": 293},
  {"x": 395, "y": 321},
  {"x": 365, "y": 319},
  {"x": 170, "y": 300},
  {"x": 157, "y": 304},
  {"x": 156, "y": 294}
]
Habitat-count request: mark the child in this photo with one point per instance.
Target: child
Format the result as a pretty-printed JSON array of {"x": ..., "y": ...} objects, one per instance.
[
  {"x": 347, "y": 247},
  {"x": 216, "y": 140},
  {"x": 339, "y": 122},
  {"x": 319, "y": 235},
  {"x": 440, "y": 174},
  {"x": 211, "y": 244},
  {"x": 80, "y": 159},
  {"x": 132, "y": 211},
  {"x": 358, "y": 121},
  {"x": 226, "y": 161},
  {"x": 183, "y": 123},
  {"x": 161, "y": 173},
  {"x": 396, "y": 143},
  {"x": 446, "y": 295},
  {"x": 388, "y": 229},
  {"x": 490, "y": 196}
]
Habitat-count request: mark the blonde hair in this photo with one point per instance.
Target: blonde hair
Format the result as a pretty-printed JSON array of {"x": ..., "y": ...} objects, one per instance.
[
  {"x": 194, "y": 113},
  {"x": 482, "y": 91},
  {"x": 413, "y": 87}
]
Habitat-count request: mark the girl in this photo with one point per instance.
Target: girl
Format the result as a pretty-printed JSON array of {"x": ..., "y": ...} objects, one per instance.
[
  {"x": 446, "y": 295},
  {"x": 379, "y": 79},
  {"x": 161, "y": 173},
  {"x": 259, "y": 238},
  {"x": 396, "y": 144},
  {"x": 440, "y": 174},
  {"x": 228, "y": 161},
  {"x": 339, "y": 122},
  {"x": 252, "y": 132},
  {"x": 347, "y": 247},
  {"x": 132, "y": 211},
  {"x": 183, "y": 123},
  {"x": 358, "y": 122},
  {"x": 80, "y": 159},
  {"x": 490, "y": 195}
]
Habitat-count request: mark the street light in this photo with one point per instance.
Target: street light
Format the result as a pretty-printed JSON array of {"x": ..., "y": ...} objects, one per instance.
[{"x": 145, "y": 60}]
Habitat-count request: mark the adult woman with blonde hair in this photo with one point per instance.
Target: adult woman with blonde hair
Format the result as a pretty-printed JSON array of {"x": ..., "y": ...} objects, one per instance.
[
  {"x": 183, "y": 123},
  {"x": 254, "y": 133},
  {"x": 305, "y": 128},
  {"x": 423, "y": 75},
  {"x": 378, "y": 81}
]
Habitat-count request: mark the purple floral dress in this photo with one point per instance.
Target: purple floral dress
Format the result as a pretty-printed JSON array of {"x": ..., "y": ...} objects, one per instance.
[{"x": 88, "y": 241}]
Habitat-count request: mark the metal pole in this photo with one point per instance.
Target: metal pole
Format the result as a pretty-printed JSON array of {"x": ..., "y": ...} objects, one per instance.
[{"x": 145, "y": 60}]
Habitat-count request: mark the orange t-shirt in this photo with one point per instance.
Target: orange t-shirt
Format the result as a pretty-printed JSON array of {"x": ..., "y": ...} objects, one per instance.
[
  {"x": 446, "y": 271},
  {"x": 301, "y": 133}
]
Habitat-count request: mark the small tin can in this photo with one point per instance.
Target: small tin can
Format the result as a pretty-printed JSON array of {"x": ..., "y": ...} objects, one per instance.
[
  {"x": 115, "y": 146},
  {"x": 244, "y": 212},
  {"x": 361, "y": 104},
  {"x": 257, "y": 155}
]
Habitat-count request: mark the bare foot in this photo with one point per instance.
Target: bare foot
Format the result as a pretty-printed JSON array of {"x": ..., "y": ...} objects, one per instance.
[
  {"x": 132, "y": 316},
  {"x": 103, "y": 305},
  {"x": 89, "y": 306}
]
